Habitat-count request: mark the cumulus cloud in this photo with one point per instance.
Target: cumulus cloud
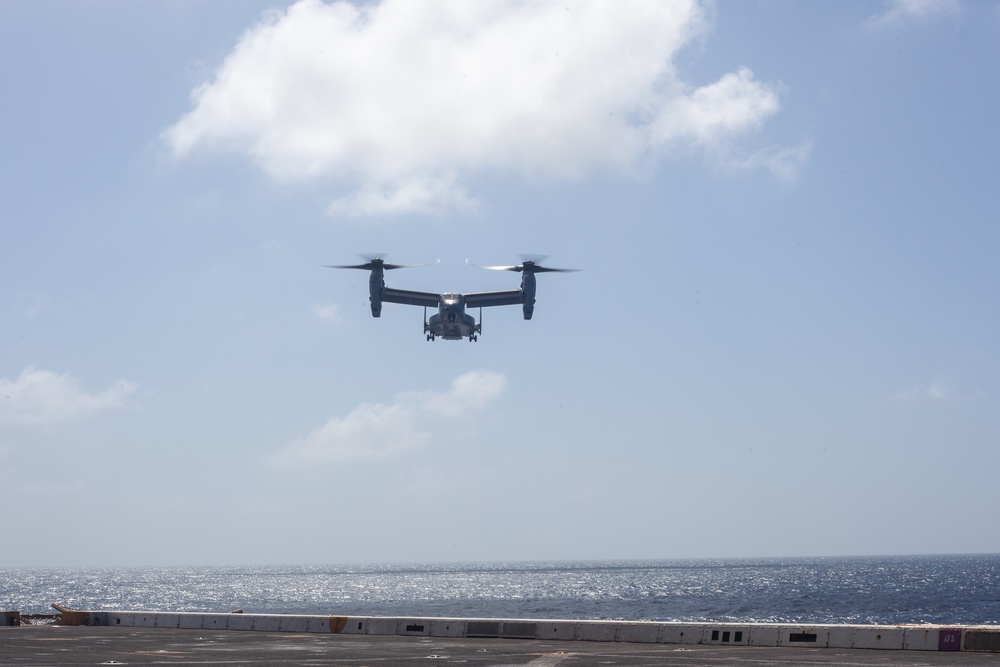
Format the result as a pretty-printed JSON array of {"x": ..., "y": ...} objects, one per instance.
[
  {"x": 35, "y": 304},
  {"x": 380, "y": 430},
  {"x": 469, "y": 391},
  {"x": 43, "y": 397},
  {"x": 899, "y": 12},
  {"x": 369, "y": 431},
  {"x": 934, "y": 391},
  {"x": 325, "y": 311},
  {"x": 400, "y": 98},
  {"x": 785, "y": 163},
  {"x": 416, "y": 193}
]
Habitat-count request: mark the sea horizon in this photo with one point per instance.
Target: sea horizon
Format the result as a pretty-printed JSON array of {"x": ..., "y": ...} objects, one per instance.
[{"x": 934, "y": 588}]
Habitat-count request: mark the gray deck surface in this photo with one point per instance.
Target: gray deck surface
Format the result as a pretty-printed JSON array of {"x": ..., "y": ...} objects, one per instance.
[{"x": 41, "y": 646}]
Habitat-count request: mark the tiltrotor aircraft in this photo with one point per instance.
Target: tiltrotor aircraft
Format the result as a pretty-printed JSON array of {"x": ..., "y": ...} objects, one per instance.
[{"x": 451, "y": 322}]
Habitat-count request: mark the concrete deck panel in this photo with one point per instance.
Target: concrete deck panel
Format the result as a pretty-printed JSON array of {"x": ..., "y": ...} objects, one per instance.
[
  {"x": 52, "y": 646},
  {"x": 925, "y": 638}
]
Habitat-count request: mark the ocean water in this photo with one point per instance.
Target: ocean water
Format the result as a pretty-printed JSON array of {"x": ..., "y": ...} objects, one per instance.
[{"x": 905, "y": 589}]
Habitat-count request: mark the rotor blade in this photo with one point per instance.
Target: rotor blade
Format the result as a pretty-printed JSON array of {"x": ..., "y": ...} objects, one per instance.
[
  {"x": 367, "y": 267},
  {"x": 376, "y": 262},
  {"x": 495, "y": 268},
  {"x": 388, "y": 267},
  {"x": 527, "y": 265},
  {"x": 547, "y": 269}
]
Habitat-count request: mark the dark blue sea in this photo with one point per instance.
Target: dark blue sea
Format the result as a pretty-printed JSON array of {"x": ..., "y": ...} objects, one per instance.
[{"x": 903, "y": 589}]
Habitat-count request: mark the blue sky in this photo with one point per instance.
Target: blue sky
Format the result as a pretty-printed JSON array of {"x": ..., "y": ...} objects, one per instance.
[{"x": 783, "y": 341}]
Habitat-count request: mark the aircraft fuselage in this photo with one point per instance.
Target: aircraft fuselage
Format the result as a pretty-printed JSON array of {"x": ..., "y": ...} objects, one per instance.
[{"x": 451, "y": 322}]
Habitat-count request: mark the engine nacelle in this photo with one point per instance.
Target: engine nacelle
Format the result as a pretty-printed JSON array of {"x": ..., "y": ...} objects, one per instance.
[
  {"x": 528, "y": 293},
  {"x": 376, "y": 288}
]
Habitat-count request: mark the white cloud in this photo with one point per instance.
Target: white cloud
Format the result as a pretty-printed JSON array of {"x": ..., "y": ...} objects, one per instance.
[
  {"x": 43, "y": 397},
  {"x": 401, "y": 98},
  {"x": 377, "y": 431},
  {"x": 416, "y": 194},
  {"x": 469, "y": 391},
  {"x": 784, "y": 163},
  {"x": 35, "y": 304},
  {"x": 934, "y": 391},
  {"x": 734, "y": 104},
  {"x": 899, "y": 12},
  {"x": 326, "y": 311},
  {"x": 369, "y": 431}
]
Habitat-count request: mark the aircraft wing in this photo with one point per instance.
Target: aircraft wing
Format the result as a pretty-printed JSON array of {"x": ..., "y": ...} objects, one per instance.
[
  {"x": 410, "y": 298},
  {"x": 484, "y": 299}
]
